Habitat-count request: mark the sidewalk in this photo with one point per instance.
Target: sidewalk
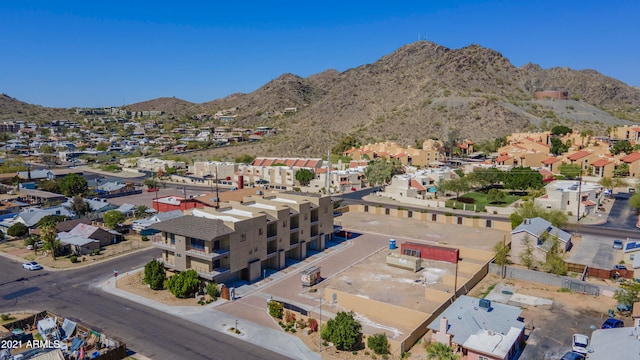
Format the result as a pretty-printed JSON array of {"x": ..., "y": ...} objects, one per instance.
[{"x": 207, "y": 316}]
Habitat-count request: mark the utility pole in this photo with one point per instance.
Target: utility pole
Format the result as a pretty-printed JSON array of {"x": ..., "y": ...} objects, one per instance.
[
  {"x": 217, "y": 193},
  {"x": 579, "y": 192},
  {"x": 329, "y": 172}
]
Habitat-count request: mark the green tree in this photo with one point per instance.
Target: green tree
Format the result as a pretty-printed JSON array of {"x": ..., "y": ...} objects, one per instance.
[
  {"x": 49, "y": 235},
  {"x": 557, "y": 147},
  {"x": 621, "y": 146},
  {"x": 440, "y": 351},
  {"x": 244, "y": 159},
  {"x": 343, "y": 331},
  {"x": 634, "y": 202},
  {"x": 140, "y": 211},
  {"x": 561, "y": 130},
  {"x": 496, "y": 196},
  {"x": 586, "y": 133},
  {"x": 380, "y": 171},
  {"x": 571, "y": 171},
  {"x": 529, "y": 210},
  {"x": 184, "y": 284},
  {"x": 79, "y": 206},
  {"x": 486, "y": 176},
  {"x": 459, "y": 185},
  {"x": 502, "y": 253},
  {"x": 17, "y": 230},
  {"x": 526, "y": 256},
  {"x": 628, "y": 292},
  {"x": 304, "y": 176},
  {"x": 51, "y": 220},
  {"x": 112, "y": 218},
  {"x": 621, "y": 170},
  {"x": 555, "y": 257},
  {"x": 155, "y": 274},
  {"x": 73, "y": 184},
  {"x": 49, "y": 185},
  {"x": 523, "y": 178},
  {"x": 345, "y": 144},
  {"x": 378, "y": 343}
]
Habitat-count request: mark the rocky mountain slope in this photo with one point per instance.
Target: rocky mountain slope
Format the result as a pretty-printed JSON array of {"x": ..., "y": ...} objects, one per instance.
[{"x": 419, "y": 91}]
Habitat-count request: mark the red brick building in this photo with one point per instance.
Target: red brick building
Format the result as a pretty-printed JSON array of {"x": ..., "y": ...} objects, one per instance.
[{"x": 170, "y": 203}]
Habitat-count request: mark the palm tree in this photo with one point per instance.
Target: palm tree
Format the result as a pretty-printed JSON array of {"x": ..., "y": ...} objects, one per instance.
[{"x": 440, "y": 351}]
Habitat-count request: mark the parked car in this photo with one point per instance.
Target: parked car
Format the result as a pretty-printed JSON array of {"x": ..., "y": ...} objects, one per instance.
[
  {"x": 32, "y": 265},
  {"x": 612, "y": 323},
  {"x": 620, "y": 267},
  {"x": 617, "y": 244},
  {"x": 572, "y": 355},
  {"x": 152, "y": 189},
  {"x": 262, "y": 181},
  {"x": 580, "y": 343}
]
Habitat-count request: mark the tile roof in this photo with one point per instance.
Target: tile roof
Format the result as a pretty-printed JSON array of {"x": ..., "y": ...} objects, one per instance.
[
  {"x": 503, "y": 158},
  {"x": 194, "y": 227},
  {"x": 550, "y": 160},
  {"x": 415, "y": 184},
  {"x": 601, "y": 162},
  {"x": 634, "y": 156},
  {"x": 578, "y": 155}
]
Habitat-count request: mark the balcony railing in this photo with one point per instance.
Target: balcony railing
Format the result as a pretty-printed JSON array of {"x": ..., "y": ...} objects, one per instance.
[
  {"x": 164, "y": 245},
  {"x": 199, "y": 253},
  {"x": 212, "y": 274}
]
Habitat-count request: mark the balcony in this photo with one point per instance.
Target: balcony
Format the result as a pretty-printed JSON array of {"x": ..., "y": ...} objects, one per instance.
[
  {"x": 164, "y": 245},
  {"x": 211, "y": 275},
  {"x": 201, "y": 254}
]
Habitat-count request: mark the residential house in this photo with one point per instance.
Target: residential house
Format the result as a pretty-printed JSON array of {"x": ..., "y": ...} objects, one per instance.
[
  {"x": 633, "y": 161},
  {"x": 241, "y": 240},
  {"x": 626, "y": 132},
  {"x": 603, "y": 167},
  {"x": 30, "y": 217},
  {"x": 571, "y": 197},
  {"x": 36, "y": 197},
  {"x": 142, "y": 225},
  {"x": 539, "y": 234},
  {"x": 480, "y": 329},
  {"x": 618, "y": 343},
  {"x": 37, "y": 174},
  {"x": 552, "y": 164}
]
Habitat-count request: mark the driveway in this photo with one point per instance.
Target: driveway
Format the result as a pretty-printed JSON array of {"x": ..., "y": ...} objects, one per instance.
[{"x": 622, "y": 216}]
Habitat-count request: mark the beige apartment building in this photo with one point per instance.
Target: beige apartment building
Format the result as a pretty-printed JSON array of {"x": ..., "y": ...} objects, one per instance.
[{"x": 240, "y": 240}]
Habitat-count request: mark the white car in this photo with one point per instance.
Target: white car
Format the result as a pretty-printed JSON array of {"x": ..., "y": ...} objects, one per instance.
[
  {"x": 32, "y": 266},
  {"x": 580, "y": 343}
]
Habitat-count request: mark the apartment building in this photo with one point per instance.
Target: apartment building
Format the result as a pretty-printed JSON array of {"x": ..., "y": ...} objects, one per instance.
[{"x": 240, "y": 240}]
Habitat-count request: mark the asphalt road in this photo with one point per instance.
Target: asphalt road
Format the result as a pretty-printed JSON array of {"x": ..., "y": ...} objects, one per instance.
[
  {"x": 153, "y": 333},
  {"x": 622, "y": 216}
]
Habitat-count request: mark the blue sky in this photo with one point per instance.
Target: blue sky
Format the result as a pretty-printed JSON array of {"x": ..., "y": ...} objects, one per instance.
[{"x": 99, "y": 53}]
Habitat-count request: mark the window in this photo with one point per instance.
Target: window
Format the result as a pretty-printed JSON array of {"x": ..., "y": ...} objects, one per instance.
[
  {"x": 173, "y": 239},
  {"x": 243, "y": 237},
  {"x": 409, "y": 214},
  {"x": 482, "y": 357},
  {"x": 284, "y": 224},
  {"x": 259, "y": 231},
  {"x": 366, "y": 208},
  {"x": 387, "y": 211}
]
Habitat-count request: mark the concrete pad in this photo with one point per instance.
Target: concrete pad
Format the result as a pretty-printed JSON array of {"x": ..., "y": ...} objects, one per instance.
[{"x": 530, "y": 300}]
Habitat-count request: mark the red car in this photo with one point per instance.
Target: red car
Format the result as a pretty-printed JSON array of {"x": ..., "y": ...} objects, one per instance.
[{"x": 152, "y": 189}]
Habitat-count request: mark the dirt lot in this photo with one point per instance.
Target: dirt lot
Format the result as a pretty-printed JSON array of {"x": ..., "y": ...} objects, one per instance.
[{"x": 549, "y": 327}]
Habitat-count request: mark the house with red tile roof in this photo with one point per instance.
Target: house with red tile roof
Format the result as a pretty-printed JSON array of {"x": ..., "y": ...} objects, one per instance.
[
  {"x": 633, "y": 160},
  {"x": 505, "y": 160},
  {"x": 603, "y": 167}
]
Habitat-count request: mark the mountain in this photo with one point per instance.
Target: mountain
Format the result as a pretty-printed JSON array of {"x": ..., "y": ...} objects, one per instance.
[
  {"x": 419, "y": 91},
  {"x": 13, "y": 109}
]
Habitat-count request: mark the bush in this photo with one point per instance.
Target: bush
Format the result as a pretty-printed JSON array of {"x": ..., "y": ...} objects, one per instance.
[
  {"x": 466, "y": 200},
  {"x": 17, "y": 230},
  {"x": 276, "y": 309},
  {"x": 184, "y": 284},
  {"x": 144, "y": 238},
  {"x": 155, "y": 275},
  {"x": 212, "y": 290},
  {"x": 312, "y": 324},
  {"x": 74, "y": 259},
  {"x": 343, "y": 330},
  {"x": 378, "y": 343}
]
